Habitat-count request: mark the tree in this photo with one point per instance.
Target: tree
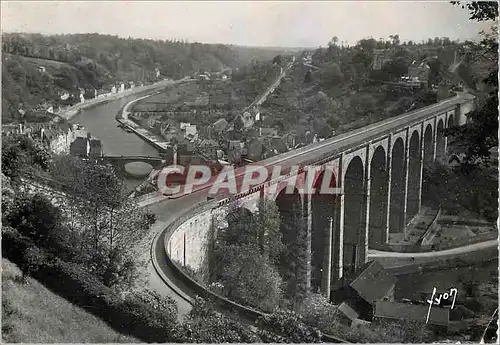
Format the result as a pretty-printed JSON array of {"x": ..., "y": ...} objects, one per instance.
[
  {"x": 240, "y": 230},
  {"x": 480, "y": 10},
  {"x": 293, "y": 260},
  {"x": 267, "y": 225},
  {"x": 479, "y": 135},
  {"x": 37, "y": 218},
  {"x": 435, "y": 72},
  {"x": 308, "y": 77},
  {"x": 21, "y": 154},
  {"x": 238, "y": 123},
  {"x": 396, "y": 68},
  {"x": 333, "y": 41},
  {"x": 109, "y": 223},
  {"x": 33, "y": 258},
  {"x": 458, "y": 189},
  {"x": 367, "y": 44},
  {"x": 8, "y": 197},
  {"x": 395, "y": 39},
  {"x": 330, "y": 74},
  {"x": 248, "y": 278},
  {"x": 244, "y": 256}
]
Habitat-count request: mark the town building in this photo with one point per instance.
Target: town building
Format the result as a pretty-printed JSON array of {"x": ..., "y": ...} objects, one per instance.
[
  {"x": 219, "y": 126},
  {"x": 267, "y": 132},
  {"x": 248, "y": 119},
  {"x": 56, "y": 137},
  {"x": 420, "y": 71},
  {"x": 380, "y": 57},
  {"x": 360, "y": 293},
  {"x": 86, "y": 147}
]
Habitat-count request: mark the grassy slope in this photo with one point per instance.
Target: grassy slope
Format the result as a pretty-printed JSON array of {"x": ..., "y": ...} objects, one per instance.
[{"x": 38, "y": 315}]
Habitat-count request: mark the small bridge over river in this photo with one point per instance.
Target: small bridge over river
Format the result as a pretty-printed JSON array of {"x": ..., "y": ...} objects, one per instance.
[{"x": 137, "y": 166}]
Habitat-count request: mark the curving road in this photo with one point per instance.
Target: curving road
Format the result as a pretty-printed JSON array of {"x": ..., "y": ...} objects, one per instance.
[
  {"x": 472, "y": 253},
  {"x": 100, "y": 122}
]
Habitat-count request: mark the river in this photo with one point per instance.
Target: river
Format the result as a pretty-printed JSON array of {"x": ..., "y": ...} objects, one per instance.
[{"x": 100, "y": 122}]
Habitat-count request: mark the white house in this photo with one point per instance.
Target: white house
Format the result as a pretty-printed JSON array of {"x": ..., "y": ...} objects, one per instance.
[{"x": 191, "y": 131}]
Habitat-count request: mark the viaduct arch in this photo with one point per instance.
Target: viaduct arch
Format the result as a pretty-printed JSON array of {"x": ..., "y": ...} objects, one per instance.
[{"x": 380, "y": 180}]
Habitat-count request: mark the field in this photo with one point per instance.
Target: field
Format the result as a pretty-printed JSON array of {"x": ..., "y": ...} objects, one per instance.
[
  {"x": 32, "y": 313},
  {"x": 171, "y": 97}
]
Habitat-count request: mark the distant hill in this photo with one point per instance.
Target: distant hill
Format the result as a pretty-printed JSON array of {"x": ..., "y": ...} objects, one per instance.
[{"x": 38, "y": 68}]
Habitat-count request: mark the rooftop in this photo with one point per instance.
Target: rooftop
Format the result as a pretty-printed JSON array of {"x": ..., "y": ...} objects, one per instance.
[
  {"x": 394, "y": 310},
  {"x": 373, "y": 283}
]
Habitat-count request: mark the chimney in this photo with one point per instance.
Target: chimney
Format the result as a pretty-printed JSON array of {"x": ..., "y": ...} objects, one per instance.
[{"x": 89, "y": 137}]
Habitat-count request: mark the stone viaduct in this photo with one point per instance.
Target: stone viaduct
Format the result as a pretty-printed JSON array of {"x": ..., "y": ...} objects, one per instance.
[{"x": 379, "y": 169}]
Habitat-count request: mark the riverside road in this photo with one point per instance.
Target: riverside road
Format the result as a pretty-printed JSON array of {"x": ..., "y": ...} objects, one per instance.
[{"x": 100, "y": 122}]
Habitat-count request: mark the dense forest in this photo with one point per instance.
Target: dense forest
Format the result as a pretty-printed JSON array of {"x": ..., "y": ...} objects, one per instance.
[{"x": 38, "y": 68}]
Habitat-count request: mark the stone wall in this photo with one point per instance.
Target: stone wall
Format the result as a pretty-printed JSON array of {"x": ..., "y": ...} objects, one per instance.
[{"x": 187, "y": 244}]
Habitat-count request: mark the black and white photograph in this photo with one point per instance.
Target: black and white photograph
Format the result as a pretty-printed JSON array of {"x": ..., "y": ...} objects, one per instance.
[{"x": 249, "y": 172}]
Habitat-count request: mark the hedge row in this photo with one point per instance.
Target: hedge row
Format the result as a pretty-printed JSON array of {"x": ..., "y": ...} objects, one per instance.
[{"x": 128, "y": 316}]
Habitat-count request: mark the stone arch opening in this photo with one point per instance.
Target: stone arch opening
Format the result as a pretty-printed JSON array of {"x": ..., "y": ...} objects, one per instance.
[
  {"x": 428, "y": 157},
  {"x": 396, "y": 217},
  {"x": 413, "y": 195},
  {"x": 353, "y": 216},
  {"x": 293, "y": 230},
  {"x": 440, "y": 143},
  {"x": 322, "y": 208},
  {"x": 378, "y": 199},
  {"x": 451, "y": 121},
  {"x": 428, "y": 147}
]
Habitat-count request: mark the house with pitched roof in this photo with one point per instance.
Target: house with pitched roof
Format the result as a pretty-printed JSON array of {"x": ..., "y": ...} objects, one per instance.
[
  {"x": 57, "y": 137},
  {"x": 360, "y": 294},
  {"x": 86, "y": 147}
]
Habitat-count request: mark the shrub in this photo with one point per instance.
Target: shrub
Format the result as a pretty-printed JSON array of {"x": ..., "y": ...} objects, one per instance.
[
  {"x": 34, "y": 258},
  {"x": 129, "y": 316},
  {"x": 318, "y": 312},
  {"x": 36, "y": 217},
  {"x": 205, "y": 325},
  {"x": 388, "y": 331},
  {"x": 287, "y": 326},
  {"x": 165, "y": 305},
  {"x": 248, "y": 278}
]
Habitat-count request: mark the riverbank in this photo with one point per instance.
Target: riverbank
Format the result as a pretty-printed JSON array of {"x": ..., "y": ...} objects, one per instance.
[
  {"x": 122, "y": 117},
  {"x": 74, "y": 110}
]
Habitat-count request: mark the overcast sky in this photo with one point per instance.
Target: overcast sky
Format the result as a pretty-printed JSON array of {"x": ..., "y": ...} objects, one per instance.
[{"x": 258, "y": 23}]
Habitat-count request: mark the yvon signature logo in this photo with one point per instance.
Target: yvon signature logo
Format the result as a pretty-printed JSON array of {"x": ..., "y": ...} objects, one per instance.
[{"x": 440, "y": 299}]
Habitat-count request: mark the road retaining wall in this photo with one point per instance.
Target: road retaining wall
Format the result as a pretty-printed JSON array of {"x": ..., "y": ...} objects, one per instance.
[{"x": 195, "y": 221}]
